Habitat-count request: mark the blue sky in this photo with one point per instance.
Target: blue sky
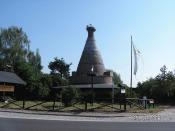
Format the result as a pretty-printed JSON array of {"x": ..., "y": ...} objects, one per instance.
[{"x": 57, "y": 28}]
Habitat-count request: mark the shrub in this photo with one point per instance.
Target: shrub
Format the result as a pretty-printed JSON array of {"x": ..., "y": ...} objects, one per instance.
[{"x": 68, "y": 95}]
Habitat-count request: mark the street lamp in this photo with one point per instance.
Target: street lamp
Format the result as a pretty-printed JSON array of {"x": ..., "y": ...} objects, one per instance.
[{"x": 92, "y": 74}]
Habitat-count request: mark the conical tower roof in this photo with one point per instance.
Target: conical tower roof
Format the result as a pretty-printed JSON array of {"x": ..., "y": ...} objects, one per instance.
[{"x": 90, "y": 56}]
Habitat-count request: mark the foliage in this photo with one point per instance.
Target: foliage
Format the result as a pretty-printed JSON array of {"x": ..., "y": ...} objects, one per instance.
[
  {"x": 60, "y": 67},
  {"x": 37, "y": 84},
  {"x": 15, "y": 55},
  {"x": 116, "y": 78},
  {"x": 14, "y": 46},
  {"x": 46, "y": 81},
  {"x": 161, "y": 88},
  {"x": 68, "y": 94},
  {"x": 59, "y": 71}
]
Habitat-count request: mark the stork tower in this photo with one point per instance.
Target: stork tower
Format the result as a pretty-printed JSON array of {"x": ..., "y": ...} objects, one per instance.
[{"x": 91, "y": 58}]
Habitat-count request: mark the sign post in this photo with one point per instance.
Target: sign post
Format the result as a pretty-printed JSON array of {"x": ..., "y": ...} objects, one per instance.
[{"x": 123, "y": 92}]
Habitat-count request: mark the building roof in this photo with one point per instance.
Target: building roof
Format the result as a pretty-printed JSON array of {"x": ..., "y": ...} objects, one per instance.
[{"x": 9, "y": 77}]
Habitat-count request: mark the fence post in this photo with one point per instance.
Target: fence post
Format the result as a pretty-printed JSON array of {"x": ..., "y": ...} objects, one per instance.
[
  {"x": 53, "y": 107},
  {"x": 24, "y": 96},
  {"x": 153, "y": 103},
  {"x": 23, "y": 104},
  {"x": 85, "y": 105},
  {"x": 130, "y": 105},
  {"x": 124, "y": 104},
  {"x": 145, "y": 103},
  {"x": 85, "y": 102}
]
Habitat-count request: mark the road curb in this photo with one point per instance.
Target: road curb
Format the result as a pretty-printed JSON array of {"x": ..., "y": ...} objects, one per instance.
[{"x": 78, "y": 114}]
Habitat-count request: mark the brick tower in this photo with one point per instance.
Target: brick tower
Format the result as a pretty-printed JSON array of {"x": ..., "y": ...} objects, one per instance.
[{"x": 91, "y": 58}]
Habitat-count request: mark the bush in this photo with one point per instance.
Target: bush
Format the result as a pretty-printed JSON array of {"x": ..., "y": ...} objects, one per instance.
[{"x": 68, "y": 95}]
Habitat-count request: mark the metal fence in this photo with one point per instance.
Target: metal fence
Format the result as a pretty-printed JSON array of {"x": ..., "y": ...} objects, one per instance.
[{"x": 79, "y": 104}]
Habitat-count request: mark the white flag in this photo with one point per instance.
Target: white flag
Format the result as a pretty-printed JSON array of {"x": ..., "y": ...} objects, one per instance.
[{"x": 136, "y": 53}]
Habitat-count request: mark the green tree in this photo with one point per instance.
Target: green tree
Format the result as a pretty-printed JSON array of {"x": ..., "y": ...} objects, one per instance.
[
  {"x": 14, "y": 45},
  {"x": 35, "y": 60},
  {"x": 46, "y": 83},
  {"x": 68, "y": 94},
  {"x": 15, "y": 53},
  {"x": 59, "y": 71},
  {"x": 165, "y": 79},
  {"x": 161, "y": 88},
  {"x": 116, "y": 78}
]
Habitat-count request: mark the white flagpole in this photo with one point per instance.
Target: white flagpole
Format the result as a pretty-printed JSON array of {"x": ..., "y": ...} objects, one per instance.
[{"x": 131, "y": 69}]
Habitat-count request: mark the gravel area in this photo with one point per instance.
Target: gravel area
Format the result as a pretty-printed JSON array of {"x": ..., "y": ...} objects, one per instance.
[{"x": 168, "y": 115}]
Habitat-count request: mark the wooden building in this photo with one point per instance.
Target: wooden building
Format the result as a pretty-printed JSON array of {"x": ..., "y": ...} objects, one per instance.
[{"x": 8, "y": 82}]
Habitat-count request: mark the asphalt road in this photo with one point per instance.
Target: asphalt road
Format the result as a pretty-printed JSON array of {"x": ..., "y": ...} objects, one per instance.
[{"x": 13, "y": 124}]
